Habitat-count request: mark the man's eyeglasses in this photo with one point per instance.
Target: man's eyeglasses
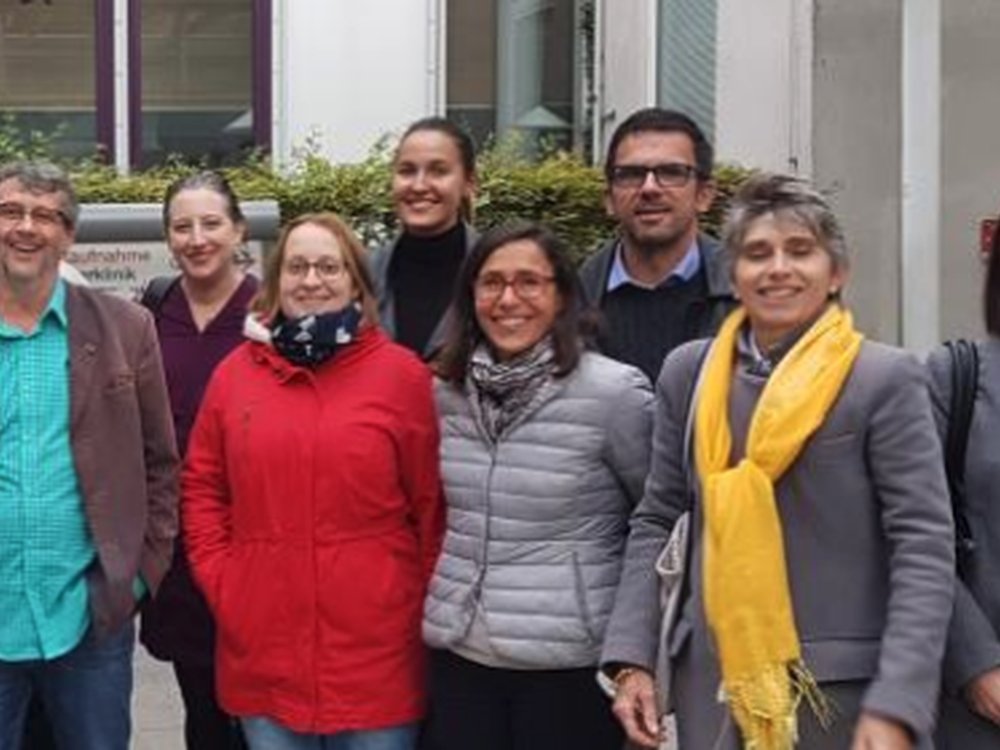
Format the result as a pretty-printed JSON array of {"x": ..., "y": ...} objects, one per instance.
[
  {"x": 526, "y": 285},
  {"x": 326, "y": 268},
  {"x": 633, "y": 176},
  {"x": 14, "y": 213}
]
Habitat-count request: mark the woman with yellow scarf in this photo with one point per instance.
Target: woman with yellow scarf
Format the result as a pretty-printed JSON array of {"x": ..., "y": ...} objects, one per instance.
[{"x": 820, "y": 566}]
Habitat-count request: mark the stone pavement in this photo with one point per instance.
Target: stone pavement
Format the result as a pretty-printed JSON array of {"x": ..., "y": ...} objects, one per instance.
[{"x": 157, "y": 715}]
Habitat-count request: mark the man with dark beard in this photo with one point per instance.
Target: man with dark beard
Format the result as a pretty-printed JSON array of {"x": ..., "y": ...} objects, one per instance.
[{"x": 659, "y": 283}]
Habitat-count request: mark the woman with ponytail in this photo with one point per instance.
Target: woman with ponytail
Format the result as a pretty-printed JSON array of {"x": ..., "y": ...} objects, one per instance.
[{"x": 433, "y": 184}]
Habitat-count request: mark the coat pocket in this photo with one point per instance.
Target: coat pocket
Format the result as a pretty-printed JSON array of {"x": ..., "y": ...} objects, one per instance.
[
  {"x": 249, "y": 606},
  {"x": 121, "y": 381},
  {"x": 842, "y": 659}
]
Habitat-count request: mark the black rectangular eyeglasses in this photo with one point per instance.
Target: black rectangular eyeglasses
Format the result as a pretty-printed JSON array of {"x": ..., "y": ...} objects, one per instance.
[{"x": 671, "y": 174}]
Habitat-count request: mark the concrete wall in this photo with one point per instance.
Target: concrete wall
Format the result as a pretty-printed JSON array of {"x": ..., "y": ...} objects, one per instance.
[
  {"x": 857, "y": 131},
  {"x": 351, "y": 71},
  {"x": 825, "y": 100},
  {"x": 760, "y": 101},
  {"x": 970, "y": 168}
]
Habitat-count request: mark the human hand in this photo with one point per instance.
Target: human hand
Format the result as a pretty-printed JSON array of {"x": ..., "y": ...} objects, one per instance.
[
  {"x": 982, "y": 694},
  {"x": 635, "y": 707},
  {"x": 879, "y": 733}
]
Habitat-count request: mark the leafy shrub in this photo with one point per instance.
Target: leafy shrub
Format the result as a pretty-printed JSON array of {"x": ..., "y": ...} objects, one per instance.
[
  {"x": 560, "y": 191},
  {"x": 18, "y": 143}
]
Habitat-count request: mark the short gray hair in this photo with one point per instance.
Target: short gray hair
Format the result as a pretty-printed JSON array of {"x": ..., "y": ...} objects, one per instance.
[
  {"x": 784, "y": 197},
  {"x": 44, "y": 177}
]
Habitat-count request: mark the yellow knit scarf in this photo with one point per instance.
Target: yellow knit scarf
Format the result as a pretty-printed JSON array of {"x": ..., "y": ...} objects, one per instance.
[{"x": 747, "y": 601}]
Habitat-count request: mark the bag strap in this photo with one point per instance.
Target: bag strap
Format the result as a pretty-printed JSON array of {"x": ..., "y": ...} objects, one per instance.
[
  {"x": 964, "y": 382},
  {"x": 690, "y": 473},
  {"x": 689, "y": 415},
  {"x": 156, "y": 291}
]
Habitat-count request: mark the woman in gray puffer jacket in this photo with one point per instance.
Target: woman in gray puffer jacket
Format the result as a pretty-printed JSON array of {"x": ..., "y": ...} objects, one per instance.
[{"x": 544, "y": 452}]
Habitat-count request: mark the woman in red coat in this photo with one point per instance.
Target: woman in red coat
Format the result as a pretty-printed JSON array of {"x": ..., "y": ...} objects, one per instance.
[{"x": 312, "y": 509}]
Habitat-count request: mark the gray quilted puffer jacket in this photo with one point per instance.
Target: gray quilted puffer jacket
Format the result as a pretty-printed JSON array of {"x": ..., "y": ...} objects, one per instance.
[{"x": 537, "y": 523}]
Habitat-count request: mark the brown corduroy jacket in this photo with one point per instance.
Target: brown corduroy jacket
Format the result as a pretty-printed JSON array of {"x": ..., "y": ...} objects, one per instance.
[{"x": 124, "y": 450}]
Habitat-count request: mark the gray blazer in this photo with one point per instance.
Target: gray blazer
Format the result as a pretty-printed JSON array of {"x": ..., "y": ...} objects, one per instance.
[
  {"x": 973, "y": 641},
  {"x": 868, "y": 542},
  {"x": 380, "y": 261}
]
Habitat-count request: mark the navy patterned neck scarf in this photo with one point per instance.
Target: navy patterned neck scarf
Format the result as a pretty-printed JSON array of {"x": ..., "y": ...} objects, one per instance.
[{"x": 311, "y": 340}]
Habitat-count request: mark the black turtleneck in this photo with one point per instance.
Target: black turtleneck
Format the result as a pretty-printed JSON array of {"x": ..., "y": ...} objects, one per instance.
[{"x": 422, "y": 278}]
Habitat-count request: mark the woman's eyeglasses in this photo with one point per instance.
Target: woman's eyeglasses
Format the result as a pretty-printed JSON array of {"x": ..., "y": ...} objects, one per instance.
[
  {"x": 326, "y": 269},
  {"x": 526, "y": 285}
]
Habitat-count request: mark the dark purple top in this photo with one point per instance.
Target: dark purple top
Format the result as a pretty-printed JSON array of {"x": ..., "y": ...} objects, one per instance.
[
  {"x": 176, "y": 625},
  {"x": 190, "y": 356}
]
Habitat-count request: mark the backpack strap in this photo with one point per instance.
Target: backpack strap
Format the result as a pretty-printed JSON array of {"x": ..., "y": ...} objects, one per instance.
[
  {"x": 156, "y": 291},
  {"x": 964, "y": 382}
]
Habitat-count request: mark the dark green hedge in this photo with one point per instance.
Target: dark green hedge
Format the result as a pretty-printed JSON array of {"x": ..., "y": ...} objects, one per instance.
[{"x": 560, "y": 191}]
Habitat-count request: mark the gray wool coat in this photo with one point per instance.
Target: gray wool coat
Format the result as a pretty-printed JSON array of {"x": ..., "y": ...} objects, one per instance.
[
  {"x": 973, "y": 639},
  {"x": 868, "y": 542}
]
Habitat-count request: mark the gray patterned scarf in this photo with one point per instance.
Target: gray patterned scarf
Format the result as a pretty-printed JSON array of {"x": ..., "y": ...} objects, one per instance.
[{"x": 503, "y": 391}]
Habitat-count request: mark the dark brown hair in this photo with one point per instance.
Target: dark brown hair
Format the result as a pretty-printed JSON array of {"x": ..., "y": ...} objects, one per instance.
[
  {"x": 656, "y": 120},
  {"x": 464, "y": 333},
  {"x": 463, "y": 143},
  {"x": 207, "y": 180}
]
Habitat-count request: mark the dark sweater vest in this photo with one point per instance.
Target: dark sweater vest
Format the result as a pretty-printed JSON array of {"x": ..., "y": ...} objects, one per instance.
[{"x": 641, "y": 326}]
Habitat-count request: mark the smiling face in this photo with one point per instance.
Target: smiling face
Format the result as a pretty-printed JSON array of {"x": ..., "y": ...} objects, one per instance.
[
  {"x": 784, "y": 277},
  {"x": 429, "y": 183},
  {"x": 201, "y": 235},
  {"x": 314, "y": 277},
  {"x": 654, "y": 218},
  {"x": 33, "y": 242},
  {"x": 516, "y": 298}
]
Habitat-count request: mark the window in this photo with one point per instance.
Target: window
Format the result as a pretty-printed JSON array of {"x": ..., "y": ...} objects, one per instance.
[
  {"x": 198, "y": 70},
  {"x": 520, "y": 66},
  {"x": 686, "y": 68},
  {"x": 47, "y": 71},
  {"x": 196, "y": 80}
]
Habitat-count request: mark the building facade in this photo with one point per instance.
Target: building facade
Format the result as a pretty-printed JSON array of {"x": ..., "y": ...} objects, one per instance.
[{"x": 886, "y": 105}]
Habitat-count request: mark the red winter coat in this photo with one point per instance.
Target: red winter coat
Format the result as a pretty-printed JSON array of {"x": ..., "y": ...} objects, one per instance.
[{"x": 313, "y": 517}]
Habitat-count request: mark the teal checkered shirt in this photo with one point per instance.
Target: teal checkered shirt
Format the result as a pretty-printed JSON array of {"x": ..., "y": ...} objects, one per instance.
[{"x": 45, "y": 546}]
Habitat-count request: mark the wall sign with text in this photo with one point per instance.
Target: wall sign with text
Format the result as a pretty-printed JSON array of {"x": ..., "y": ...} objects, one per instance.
[{"x": 124, "y": 268}]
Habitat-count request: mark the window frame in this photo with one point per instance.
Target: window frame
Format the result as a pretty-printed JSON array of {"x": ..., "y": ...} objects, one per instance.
[{"x": 106, "y": 13}]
